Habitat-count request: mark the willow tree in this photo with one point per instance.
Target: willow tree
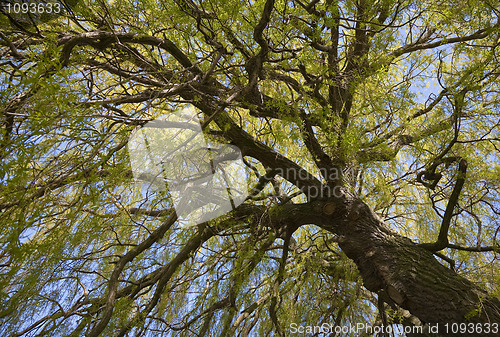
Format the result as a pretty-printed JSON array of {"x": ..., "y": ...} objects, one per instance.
[{"x": 370, "y": 130}]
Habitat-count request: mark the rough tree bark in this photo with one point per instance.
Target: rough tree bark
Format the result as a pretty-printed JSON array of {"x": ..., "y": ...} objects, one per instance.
[{"x": 402, "y": 272}]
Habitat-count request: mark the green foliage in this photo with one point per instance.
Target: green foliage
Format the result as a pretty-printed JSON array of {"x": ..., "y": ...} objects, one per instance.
[{"x": 419, "y": 85}]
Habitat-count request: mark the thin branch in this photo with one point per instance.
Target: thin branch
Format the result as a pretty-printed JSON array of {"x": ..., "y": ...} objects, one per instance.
[{"x": 442, "y": 241}]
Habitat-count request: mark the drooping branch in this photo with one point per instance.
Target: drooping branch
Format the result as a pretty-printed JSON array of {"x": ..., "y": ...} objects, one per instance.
[
  {"x": 279, "y": 279},
  {"x": 422, "y": 44},
  {"x": 120, "y": 265},
  {"x": 442, "y": 240}
]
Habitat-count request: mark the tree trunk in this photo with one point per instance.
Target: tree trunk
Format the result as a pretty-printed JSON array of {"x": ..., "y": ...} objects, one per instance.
[{"x": 409, "y": 275}]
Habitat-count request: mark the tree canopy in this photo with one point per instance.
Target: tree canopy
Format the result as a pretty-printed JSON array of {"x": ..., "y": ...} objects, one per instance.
[{"x": 370, "y": 131}]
